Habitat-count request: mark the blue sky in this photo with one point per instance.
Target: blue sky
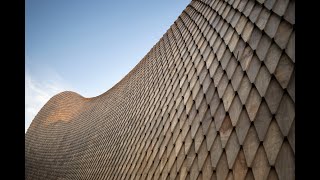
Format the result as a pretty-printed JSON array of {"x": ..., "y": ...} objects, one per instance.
[{"x": 87, "y": 46}]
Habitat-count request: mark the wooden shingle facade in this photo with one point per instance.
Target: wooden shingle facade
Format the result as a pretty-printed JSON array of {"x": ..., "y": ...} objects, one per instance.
[{"x": 213, "y": 99}]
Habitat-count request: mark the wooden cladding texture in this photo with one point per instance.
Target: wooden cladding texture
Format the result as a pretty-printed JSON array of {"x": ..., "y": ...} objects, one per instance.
[{"x": 213, "y": 99}]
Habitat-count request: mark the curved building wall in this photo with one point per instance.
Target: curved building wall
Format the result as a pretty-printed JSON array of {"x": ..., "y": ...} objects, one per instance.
[{"x": 213, "y": 99}]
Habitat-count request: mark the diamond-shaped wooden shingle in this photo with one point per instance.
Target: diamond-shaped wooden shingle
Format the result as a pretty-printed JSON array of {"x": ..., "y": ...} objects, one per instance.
[
  {"x": 283, "y": 34},
  {"x": 253, "y": 103},
  {"x": 211, "y": 135},
  {"x": 269, "y": 4},
  {"x": 243, "y": 126},
  {"x": 250, "y": 145},
  {"x": 263, "y": 47},
  {"x": 273, "y": 95},
  {"x": 255, "y": 38},
  {"x": 216, "y": 151},
  {"x": 225, "y": 59},
  {"x": 280, "y": 7},
  {"x": 232, "y": 148},
  {"x": 228, "y": 97},
  {"x": 285, "y": 163},
  {"x": 272, "y": 25},
  {"x": 290, "y": 12},
  {"x": 217, "y": 76},
  {"x": 284, "y": 70},
  {"x": 262, "y": 80},
  {"x": 207, "y": 169},
  {"x": 292, "y": 137},
  {"x": 253, "y": 68},
  {"x": 240, "y": 166},
  {"x": 244, "y": 89},
  {"x": 241, "y": 24},
  {"x": 248, "y": 8},
  {"x": 255, "y": 12},
  {"x": 246, "y": 33},
  {"x": 285, "y": 114},
  {"x": 198, "y": 139},
  {"x": 260, "y": 165},
  {"x": 262, "y": 120},
  {"x": 214, "y": 103},
  {"x": 206, "y": 121},
  {"x": 231, "y": 67},
  {"x": 233, "y": 42},
  {"x": 263, "y": 18},
  {"x": 246, "y": 58},
  {"x": 272, "y": 142},
  {"x": 290, "y": 49},
  {"x": 225, "y": 131},
  {"x": 273, "y": 175},
  {"x": 202, "y": 155},
  {"x": 235, "y": 110},
  {"x": 272, "y": 57},
  {"x": 219, "y": 116},
  {"x": 222, "y": 168},
  {"x": 249, "y": 175},
  {"x": 236, "y": 78},
  {"x": 194, "y": 170}
]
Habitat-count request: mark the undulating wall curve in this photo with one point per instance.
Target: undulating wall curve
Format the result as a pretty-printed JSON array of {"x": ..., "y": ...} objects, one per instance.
[{"x": 213, "y": 99}]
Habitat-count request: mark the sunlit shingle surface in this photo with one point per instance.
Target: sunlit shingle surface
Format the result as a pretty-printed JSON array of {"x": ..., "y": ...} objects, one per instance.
[{"x": 213, "y": 99}]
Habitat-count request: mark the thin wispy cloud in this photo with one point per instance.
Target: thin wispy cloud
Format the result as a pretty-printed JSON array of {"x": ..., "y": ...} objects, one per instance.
[{"x": 37, "y": 93}]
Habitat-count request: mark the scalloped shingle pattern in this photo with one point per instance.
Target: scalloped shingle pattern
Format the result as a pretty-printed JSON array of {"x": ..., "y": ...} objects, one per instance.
[{"x": 213, "y": 99}]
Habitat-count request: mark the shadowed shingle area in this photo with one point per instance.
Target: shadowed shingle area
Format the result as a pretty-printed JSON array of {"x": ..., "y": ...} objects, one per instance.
[{"x": 213, "y": 99}]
